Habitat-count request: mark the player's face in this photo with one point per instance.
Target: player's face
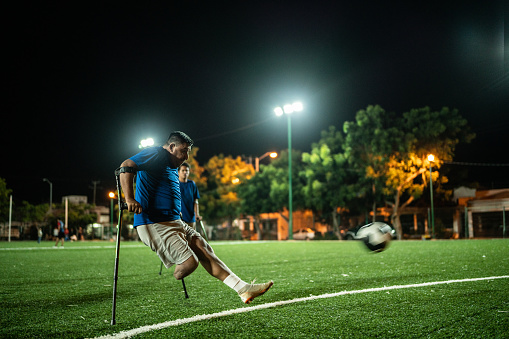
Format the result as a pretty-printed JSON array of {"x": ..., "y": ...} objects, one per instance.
[
  {"x": 183, "y": 173},
  {"x": 180, "y": 153}
]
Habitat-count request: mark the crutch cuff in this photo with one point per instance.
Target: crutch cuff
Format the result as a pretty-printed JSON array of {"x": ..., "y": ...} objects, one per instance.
[{"x": 125, "y": 169}]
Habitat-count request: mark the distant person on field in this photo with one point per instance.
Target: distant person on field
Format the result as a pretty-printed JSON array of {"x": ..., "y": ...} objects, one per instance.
[
  {"x": 61, "y": 233},
  {"x": 39, "y": 235},
  {"x": 190, "y": 195},
  {"x": 157, "y": 208}
]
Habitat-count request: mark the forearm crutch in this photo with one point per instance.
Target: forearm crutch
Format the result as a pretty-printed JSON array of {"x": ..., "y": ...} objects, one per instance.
[
  {"x": 183, "y": 283},
  {"x": 204, "y": 232},
  {"x": 121, "y": 206}
]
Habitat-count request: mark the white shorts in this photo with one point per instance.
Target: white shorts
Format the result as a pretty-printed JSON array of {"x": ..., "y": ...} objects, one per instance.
[{"x": 169, "y": 239}]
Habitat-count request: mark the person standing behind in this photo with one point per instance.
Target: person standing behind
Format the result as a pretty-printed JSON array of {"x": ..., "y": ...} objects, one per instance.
[
  {"x": 189, "y": 194},
  {"x": 61, "y": 233},
  {"x": 39, "y": 235}
]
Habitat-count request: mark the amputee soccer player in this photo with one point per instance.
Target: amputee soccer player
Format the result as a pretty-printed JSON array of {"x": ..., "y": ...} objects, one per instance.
[{"x": 157, "y": 207}]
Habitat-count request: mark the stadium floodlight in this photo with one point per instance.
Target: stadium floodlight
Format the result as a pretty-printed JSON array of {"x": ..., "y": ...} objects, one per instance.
[
  {"x": 288, "y": 108},
  {"x": 279, "y": 111},
  {"x": 146, "y": 143},
  {"x": 297, "y": 106}
]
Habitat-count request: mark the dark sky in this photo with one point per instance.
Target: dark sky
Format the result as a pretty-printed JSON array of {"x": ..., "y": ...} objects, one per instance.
[{"x": 84, "y": 84}]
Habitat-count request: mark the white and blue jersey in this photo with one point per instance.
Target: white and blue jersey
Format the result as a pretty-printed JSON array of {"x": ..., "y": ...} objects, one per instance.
[{"x": 157, "y": 187}]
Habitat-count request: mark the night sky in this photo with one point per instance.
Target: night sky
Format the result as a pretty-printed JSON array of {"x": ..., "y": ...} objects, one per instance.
[{"x": 84, "y": 84}]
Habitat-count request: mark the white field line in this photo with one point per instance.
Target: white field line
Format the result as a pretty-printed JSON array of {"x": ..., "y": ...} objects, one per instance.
[
  {"x": 71, "y": 247},
  {"x": 143, "y": 329}
]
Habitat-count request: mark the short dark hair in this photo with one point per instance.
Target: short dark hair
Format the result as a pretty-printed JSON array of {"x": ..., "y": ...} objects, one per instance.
[
  {"x": 178, "y": 138},
  {"x": 185, "y": 164}
]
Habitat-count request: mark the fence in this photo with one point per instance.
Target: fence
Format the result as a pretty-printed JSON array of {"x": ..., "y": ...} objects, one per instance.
[{"x": 488, "y": 221}]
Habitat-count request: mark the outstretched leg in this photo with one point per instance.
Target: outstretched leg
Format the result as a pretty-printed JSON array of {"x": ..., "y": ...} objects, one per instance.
[
  {"x": 208, "y": 258},
  {"x": 215, "y": 267}
]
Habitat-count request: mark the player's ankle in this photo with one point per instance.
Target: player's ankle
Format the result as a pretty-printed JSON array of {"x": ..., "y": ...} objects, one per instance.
[{"x": 234, "y": 282}]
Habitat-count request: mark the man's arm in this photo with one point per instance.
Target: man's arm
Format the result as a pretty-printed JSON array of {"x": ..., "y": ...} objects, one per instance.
[
  {"x": 197, "y": 210},
  {"x": 126, "y": 181}
]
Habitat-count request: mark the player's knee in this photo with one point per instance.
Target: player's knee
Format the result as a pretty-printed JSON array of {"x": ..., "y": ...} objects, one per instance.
[{"x": 186, "y": 268}]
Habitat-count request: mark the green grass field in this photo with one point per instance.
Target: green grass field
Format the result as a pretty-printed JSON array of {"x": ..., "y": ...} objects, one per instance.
[{"x": 67, "y": 293}]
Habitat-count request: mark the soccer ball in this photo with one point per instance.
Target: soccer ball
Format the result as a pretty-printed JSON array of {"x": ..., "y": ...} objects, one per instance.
[{"x": 376, "y": 236}]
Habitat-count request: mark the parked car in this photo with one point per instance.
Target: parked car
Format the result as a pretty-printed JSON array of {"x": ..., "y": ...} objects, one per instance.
[
  {"x": 351, "y": 234},
  {"x": 304, "y": 234}
]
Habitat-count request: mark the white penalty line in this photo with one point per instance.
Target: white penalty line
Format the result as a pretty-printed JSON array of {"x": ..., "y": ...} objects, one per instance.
[{"x": 143, "y": 329}]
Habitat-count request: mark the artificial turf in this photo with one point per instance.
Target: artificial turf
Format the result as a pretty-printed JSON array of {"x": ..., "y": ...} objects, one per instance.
[{"x": 48, "y": 292}]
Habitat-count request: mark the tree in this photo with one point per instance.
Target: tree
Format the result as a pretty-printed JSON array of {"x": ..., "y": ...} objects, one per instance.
[
  {"x": 4, "y": 199},
  {"x": 196, "y": 170},
  {"x": 254, "y": 195},
  {"x": 278, "y": 170},
  {"x": 220, "y": 201},
  {"x": 370, "y": 140},
  {"x": 31, "y": 213},
  {"x": 267, "y": 191},
  {"x": 326, "y": 175},
  {"x": 426, "y": 132},
  {"x": 389, "y": 153},
  {"x": 79, "y": 215}
]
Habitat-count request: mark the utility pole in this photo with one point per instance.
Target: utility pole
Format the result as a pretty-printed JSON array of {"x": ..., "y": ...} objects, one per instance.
[
  {"x": 50, "y": 193},
  {"x": 95, "y": 183}
]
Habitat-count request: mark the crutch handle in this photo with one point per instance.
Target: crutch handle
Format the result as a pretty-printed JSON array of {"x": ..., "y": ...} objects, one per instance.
[{"x": 123, "y": 205}]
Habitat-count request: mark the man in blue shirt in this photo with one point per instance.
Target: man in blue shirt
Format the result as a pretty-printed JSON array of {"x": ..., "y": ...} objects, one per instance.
[
  {"x": 190, "y": 195},
  {"x": 157, "y": 208},
  {"x": 61, "y": 233}
]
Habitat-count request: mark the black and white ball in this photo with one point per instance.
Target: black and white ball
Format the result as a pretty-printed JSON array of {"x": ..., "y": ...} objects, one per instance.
[{"x": 376, "y": 236}]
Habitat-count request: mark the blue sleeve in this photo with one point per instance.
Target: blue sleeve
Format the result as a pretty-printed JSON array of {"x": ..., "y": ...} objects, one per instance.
[
  {"x": 146, "y": 159},
  {"x": 197, "y": 194}
]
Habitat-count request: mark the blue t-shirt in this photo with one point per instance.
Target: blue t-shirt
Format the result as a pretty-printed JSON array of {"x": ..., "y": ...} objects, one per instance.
[
  {"x": 189, "y": 193},
  {"x": 61, "y": 226},
  {"x": 157, "y": 187}
]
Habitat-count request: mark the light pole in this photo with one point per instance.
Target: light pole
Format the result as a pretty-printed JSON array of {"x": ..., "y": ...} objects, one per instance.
[
  {"x": 257, "y": 159},
  {"x": 50, "y": 193},
  {"x": 112, "y": 197},
  {"x": 431, "y": 158},
  {"x": 288, "y": 109}
]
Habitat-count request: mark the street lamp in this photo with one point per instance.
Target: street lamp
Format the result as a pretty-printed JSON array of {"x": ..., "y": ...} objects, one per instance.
[
  {"x": 431, "y": 159},
  {"x": 112, "y": 197},
  {"x": 288, "y": 109},
  {"x": 50, "y": 193},
  {"x": 257, "y": 159}
]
